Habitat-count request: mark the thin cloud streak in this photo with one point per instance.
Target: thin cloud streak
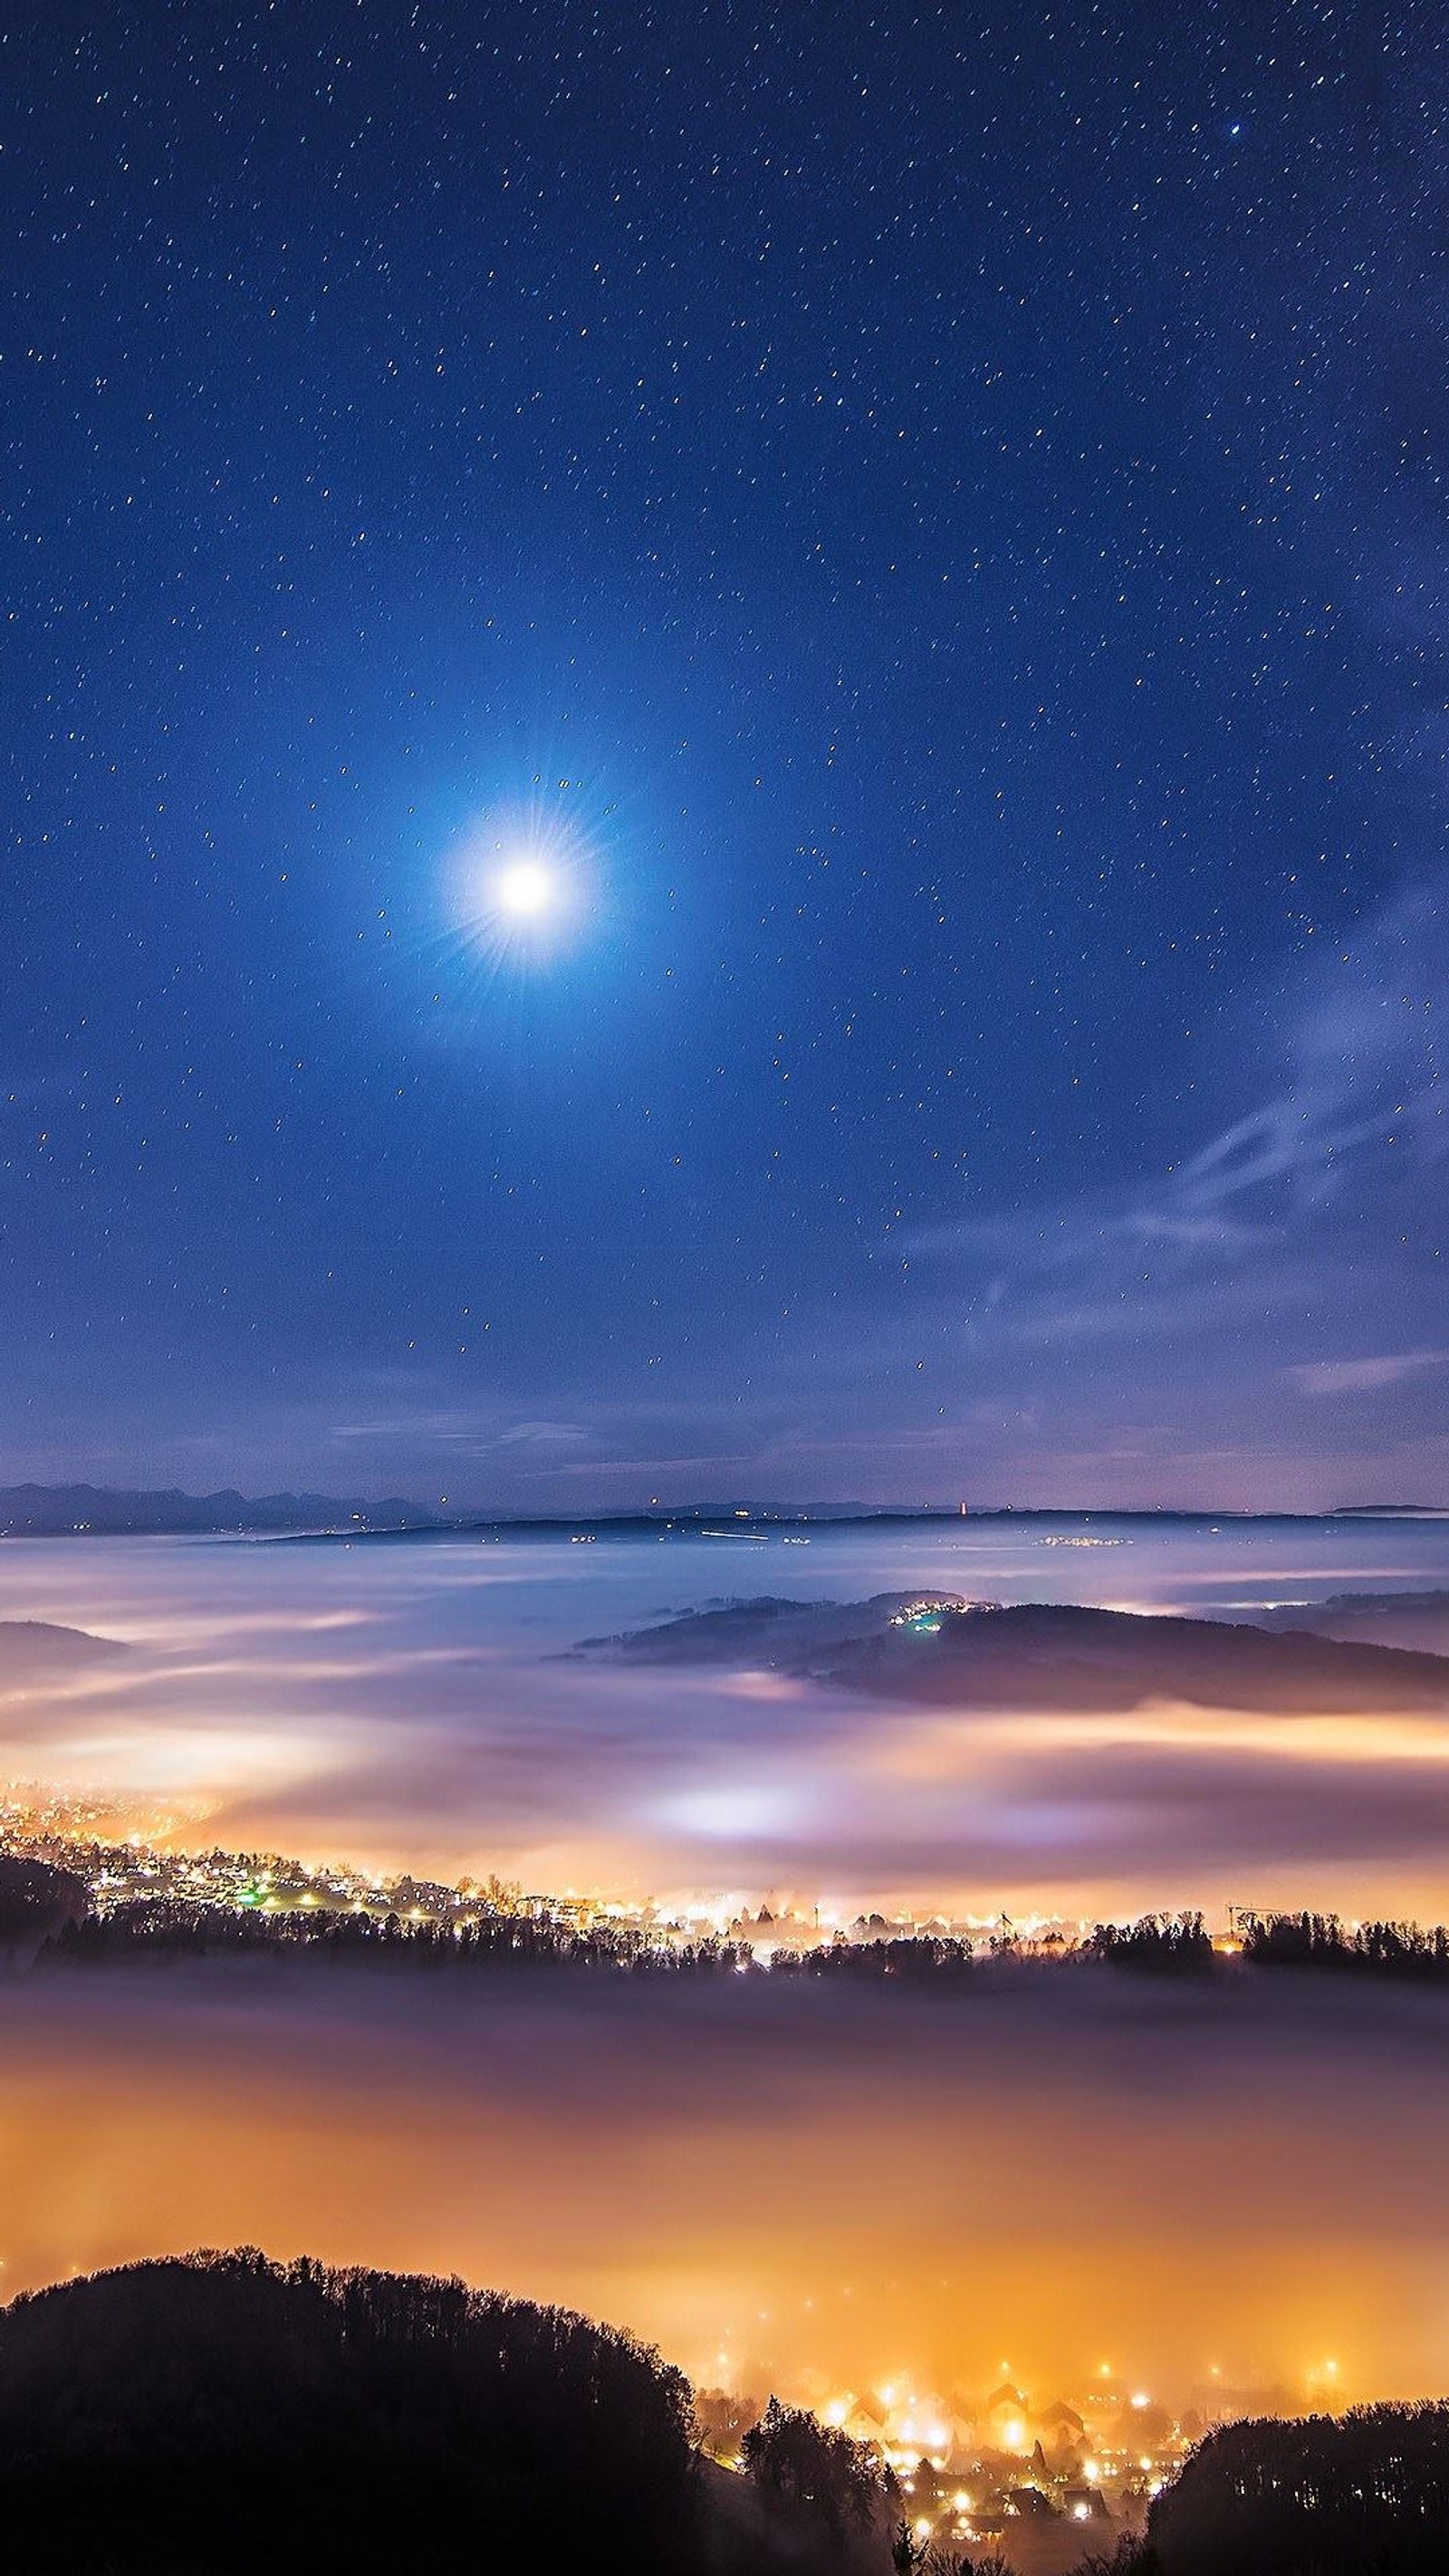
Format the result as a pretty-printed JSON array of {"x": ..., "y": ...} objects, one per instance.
[{"x": 1365, "y": 1376}]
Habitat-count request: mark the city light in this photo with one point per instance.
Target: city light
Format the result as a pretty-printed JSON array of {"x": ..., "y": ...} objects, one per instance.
[{"x": 955, "y": 2456}]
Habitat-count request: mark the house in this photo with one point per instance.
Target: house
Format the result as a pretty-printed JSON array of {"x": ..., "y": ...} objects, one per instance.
[
  {"x": 1003, "y": 2419},
  {"x": 1061, "y": 2423},
  {"x": 1085, "y": 2504}
]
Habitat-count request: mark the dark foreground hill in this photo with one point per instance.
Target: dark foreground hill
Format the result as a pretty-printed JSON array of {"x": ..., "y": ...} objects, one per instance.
[
  {"x": 1040, "y": 1654},
  {"x": 1363, "y": 2494},
  {"x": 215, "y": 2414},
  {"x": 220, "y": 2413}
]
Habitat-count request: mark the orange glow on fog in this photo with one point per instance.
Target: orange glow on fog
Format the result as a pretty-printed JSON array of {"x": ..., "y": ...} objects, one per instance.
[
  {"x": 1065, "y": 2169},
  {"x": 693, "y": 2165},
  {"x": 407, "y": 1710}
]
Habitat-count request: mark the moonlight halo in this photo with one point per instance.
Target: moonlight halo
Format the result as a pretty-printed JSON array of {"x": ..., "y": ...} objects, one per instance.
[
  {"x": 521, "y": 885},
  {"x": 526, "y": 889}
]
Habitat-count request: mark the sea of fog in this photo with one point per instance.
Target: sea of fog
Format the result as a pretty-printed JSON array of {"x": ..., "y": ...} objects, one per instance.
[
  {"x": 793, "y": 2188},
  {"x": 797, "y": 2187},
  {"x": 412, "y": 1703}
]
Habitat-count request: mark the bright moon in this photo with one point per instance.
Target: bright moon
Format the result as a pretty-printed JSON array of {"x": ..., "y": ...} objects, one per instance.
[
  {"x": 520, "y": 884},
  {"x": 526, "y": 889}
]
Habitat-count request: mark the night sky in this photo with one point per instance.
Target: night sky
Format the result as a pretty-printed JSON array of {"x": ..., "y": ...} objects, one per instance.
[{"x": 926, "y": 525}]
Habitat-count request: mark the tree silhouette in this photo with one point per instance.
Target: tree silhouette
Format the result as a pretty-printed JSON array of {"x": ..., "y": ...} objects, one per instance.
[
  {"x": 1362, "y": 2494},
  {"x": 216, "y": 2413},
  {"x": 37, "y": 1902},
  {"x": 792, "y": 2457},
  {"x": 1160, "y": 1944}
]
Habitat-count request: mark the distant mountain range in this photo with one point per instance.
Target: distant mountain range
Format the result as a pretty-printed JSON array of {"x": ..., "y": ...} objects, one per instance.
[
  {"x": 63, "y": 1511},
  {"x": 108, "y": 1511}
]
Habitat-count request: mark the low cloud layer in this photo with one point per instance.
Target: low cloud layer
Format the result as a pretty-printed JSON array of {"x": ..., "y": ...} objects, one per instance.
[
  {"x": 787, "y": 2189},
  {"x": 414, "y": 1706}
]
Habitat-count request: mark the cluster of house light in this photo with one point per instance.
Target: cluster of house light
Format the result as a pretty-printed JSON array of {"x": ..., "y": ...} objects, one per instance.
[
  {"x": 118, "y": 1866},
  {"x": 968, "y": 2474}
]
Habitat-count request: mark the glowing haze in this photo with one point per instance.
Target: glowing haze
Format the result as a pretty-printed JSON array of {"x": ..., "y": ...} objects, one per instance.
[
  {"x": 413, "y": 1705},
  {"x": 806, "y": 2191},
  {"x": 797, "y": 2189}
]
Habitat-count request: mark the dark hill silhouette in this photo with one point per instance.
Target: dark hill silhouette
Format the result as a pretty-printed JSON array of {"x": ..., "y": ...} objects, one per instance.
[
  {"x": 32, "y": 1650},
  {"x": 1043, "y": 1654},
  {"x": 1417, "y": 1619},
  {"x": 214, "y": 2414},
  {"x": 765, "y": 1629},
  {"x": 1363, "y": 2494},
  {"x": 222, "y": 2413},
  {"x": 37, "y": 1902}
]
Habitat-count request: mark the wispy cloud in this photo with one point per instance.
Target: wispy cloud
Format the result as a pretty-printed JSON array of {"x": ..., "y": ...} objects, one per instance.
[
  {"x": 1364, "y": 1376},
  {"x": 1353, "y": 1108},
  {"x": 547, "y": 1438}
]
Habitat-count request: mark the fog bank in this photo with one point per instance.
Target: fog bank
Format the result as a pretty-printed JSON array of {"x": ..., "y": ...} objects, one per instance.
[{"x": 802, "y": 2188}]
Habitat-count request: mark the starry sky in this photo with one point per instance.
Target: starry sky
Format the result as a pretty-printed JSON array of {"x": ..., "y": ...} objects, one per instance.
[{"x": 927, "y": 522}]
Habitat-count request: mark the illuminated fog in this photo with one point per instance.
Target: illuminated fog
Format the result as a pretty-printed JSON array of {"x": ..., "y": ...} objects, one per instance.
[
  {"x": 801, "y": 2188},
  {"x": 412, "y": 1705}
]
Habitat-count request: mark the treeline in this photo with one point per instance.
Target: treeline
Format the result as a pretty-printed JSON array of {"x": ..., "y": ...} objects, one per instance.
[
  {"x": 1359, "y": 1949},
  {"x": 36, "y": 1900},
  {"x": 48, "y": 1913},
  {"x": 1362, "y": 2494},
  {"x": 927, "y": 1958},
  {"x": 166, "y": 1927},
  {"x": 177, "y": 1928},
  {"x": 1171, "y": 1945}
]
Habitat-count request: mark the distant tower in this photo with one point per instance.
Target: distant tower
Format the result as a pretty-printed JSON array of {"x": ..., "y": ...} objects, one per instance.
[{"x": 965, "y": 1511}]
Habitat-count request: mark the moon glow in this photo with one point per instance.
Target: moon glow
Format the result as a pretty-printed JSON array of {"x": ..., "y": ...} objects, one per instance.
[{"x": 526, "y": 889}]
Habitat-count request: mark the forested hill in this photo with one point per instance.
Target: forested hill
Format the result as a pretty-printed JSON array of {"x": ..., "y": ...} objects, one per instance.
[{"x": 1049, "y": 1654}]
